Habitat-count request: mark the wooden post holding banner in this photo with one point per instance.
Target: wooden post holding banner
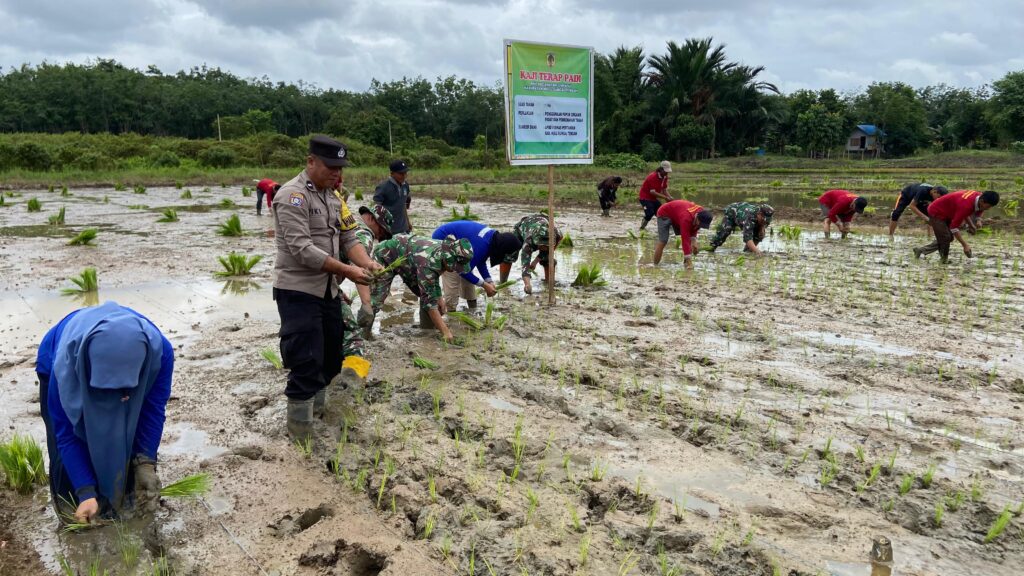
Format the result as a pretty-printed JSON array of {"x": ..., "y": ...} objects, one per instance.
[{"x": 549, "y": 115}]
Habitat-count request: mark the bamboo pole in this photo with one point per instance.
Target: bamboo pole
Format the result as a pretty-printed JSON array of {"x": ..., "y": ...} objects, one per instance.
[{"x": 551, "y": 235}]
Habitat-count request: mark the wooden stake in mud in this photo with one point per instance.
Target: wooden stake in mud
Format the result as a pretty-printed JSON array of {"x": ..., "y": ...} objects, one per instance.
[{"x": 551, "y": 235}]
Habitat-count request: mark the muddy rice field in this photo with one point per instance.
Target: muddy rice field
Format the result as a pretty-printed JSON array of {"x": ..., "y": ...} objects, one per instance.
[{"x": 758, "y": 416}]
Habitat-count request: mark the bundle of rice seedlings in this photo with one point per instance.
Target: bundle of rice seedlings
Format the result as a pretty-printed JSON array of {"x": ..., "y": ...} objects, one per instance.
[
  {"x": 790, "y": 232},
  {"x": 186, "y": 195},
  {"x": 119, "y": 187},
  {"x": 58, "y": 218},
  {"x": 188, "y": 487},
  {"x": 566, "y": 241},
  {"x": 467, "y": 320},
  {"x": 589, "y": 276},
  {"x": 170, "y": 215},
  {"x": 461, "y": 199},
  {"x": 2, "y": 201},
  {"x": 421, "y": 362},
  {"x": 85, "y": 282},
  {"x": 64, "y": 192},
  {"x": 438, "y": 203},
  {"x": 227, "y": 203},
  {"x": 139, "y": 189},
  {"x": 270, "y": 355},
  {"x": 467, "y": 214},
  {"x": 34, "y": 205},
  {"x": 22, "y": 462},
  {"x": 358, "y": 195},
  {"x": 237, "y": 264},
  {"x": 84, "y": 238},
  {"x": 390, "y": 267},
  {"x": 231, "y": 227},
  {"x": 503, "y": 285},
  {"x": 246, "y": 192}
]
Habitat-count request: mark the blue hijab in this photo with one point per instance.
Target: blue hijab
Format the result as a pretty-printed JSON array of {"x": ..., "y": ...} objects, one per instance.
[{"x": 106, "y": 363}]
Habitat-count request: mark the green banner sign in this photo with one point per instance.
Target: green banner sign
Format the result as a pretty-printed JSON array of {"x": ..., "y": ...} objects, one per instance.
[{"x": 549, "y": 116}]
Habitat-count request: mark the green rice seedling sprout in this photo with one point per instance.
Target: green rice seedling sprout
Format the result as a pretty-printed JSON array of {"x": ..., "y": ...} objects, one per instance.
[
  {"x": 566, "y": 243},
  {"x": 390, "y": 267},
  {"x": 58, "y": 218},
  {"x": 169, "y": 215},
  {"x": 128, "y": 545},
  {"x": 789, "y": 232},
  {"x": 999, "y": 525},
  {"x": 858, "y": 451},
  {"x": 161, "y": 567},
  {"x": 139, "y": 189},
  {"x": 85, "y": 283},
  {"x": 652, "y": 515},
  {"x": 462, "y": 198},
  {"x": 305, "y": 447},
  {"x": 976, "y": 491},
  {"x": 940, "y": 511},
  {"x": 231, "y": 227},
  {"x": 64, "y": 193},
  {"x": 872, "y": 476},
  {"x": 589, "y": 275},
  {"x": 421, "y": 362},
  {"x": 438, "y": 203},
  {"x": 227, "y": 203},
  {"x": 467, "y": 319},
  {"x": 358, "y": 194},
  {"x": 186, "y": 195},
  {"x": 955, "y": 500},
  {"x": 628, "y": 563},
  {"x": 574, "y": 517},
  {"x": 65, "y": 566},
  {"x": 598, "y": 470},
  {"x": 84, "y": 238},
  {"x": 237, "y": 264},
  {"x": 827, "y": 474},
  {"x": 270, "y": 355},
  {"x": 246, "y": 192},
  {"x": 432, "y": 488},
  {"x": 926, "y": 478},
  {"x": 906, "y": 484},
  {"x": 892, "y": 462},
  {"x": 34, "y": 205},
  {"x": 119, "y": 187},
  {"x": 584, "y": 549},
  {"x": 532, "y": 502},
  {"x": 503, "y": 285},
  {"x": 21, "y": 460},
  {"x": 428, "y": 527},
  {"x": 188, "y": 487},
  {"x": 663, "y": 566}
]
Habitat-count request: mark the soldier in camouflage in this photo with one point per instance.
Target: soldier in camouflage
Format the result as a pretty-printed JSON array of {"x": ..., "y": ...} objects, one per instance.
[
  {"x": 532, "y": 231},
  {"x": 421, "y": 261},
  {"x": 373, "y": 225},
  {"x": 747, "y": 216}
]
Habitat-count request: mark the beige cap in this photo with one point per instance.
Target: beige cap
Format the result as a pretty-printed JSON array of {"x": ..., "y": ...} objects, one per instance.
[{"x": 666, "y": 165}]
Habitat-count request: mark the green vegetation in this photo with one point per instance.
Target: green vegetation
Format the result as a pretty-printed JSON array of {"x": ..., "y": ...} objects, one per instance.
[
  {"x": 21, "y": 460},
  {"x": 188, "y": 487},
  {"x": 227, "y": 203},
  {"x": 467, "y": 214},
  {"x": 231, "y": 227},
  {"x": 237, "y": 264},
  {"x": 139, "y": 189},
  {"x": 169, "y": 215},
  {"x": 421, "y": 362},
  {"x": 588, "y": 276},
  {"x": 999, "y": 525},
  {"x": 186, "y": 195},
  {"x": 84, "y": 238},
  {"x": 790, "y": 232},
  {"x": 58, "y": 218},
  {"x": 84, "y": 282},
  {"x": 34, "y": 205},
  {"x": 270, "y": 355}
]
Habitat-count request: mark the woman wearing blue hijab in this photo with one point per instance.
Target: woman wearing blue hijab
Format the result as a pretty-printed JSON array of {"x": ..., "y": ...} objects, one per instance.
[{"x": 104, "y": 381}]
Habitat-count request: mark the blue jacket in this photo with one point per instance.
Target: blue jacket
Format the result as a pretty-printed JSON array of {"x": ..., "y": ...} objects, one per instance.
[
  {"x": 479, "y": 235},
  {"x": 73, "y": 450}
]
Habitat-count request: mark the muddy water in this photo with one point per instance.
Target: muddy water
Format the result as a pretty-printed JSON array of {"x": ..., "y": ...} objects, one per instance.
[{"x": 719, "y": 390}]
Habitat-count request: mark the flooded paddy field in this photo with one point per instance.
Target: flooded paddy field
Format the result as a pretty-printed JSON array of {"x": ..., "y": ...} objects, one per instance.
[{"x": 756, "y": 416}]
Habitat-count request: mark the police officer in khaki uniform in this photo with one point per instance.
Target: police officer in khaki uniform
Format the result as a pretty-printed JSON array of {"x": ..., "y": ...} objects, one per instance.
[{"x": 313, "y": 227}]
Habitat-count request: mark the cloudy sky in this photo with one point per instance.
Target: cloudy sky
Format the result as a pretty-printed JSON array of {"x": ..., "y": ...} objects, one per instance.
[{"x": 345, "y": 43}]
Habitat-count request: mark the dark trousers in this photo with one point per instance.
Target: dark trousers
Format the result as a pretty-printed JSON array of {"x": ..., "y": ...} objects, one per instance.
[
  {"x": 606, "y": 197},
  {"x": 943, "y": 238},
  {"x": 901, "y": 204},
  {"x": 311, "y": 340},
  {"x": 259, "y": 200}
]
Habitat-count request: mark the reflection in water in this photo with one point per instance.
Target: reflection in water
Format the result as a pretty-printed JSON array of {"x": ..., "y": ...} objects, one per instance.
[{"x": 239, "y": 286}]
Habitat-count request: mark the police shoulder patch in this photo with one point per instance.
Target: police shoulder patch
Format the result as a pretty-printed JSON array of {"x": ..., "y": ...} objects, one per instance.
[{"x": 297, "y": 200}]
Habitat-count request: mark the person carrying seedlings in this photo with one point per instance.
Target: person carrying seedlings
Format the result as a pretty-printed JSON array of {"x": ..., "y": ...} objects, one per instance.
[
  {"x": 394, "y": 195},
  {"x": 686, "y": 219},
  {"x": 839, "y": 207},
  {"x": 917, "y": 197},
  {"x": 752, "y": 218},
  {"x": 313, "y": 228},
  {"x": 268, "y": 188},
  {"x": 532, "y": 233},
  {"x": 104, "y": 381},
  {"x": 487, "y": 243},
  {"x": 420, "y": 262},
  {"x": 606, "y": 193},
  {"x": 947, "y": 214},
  {"x": 654, "y": 190}
]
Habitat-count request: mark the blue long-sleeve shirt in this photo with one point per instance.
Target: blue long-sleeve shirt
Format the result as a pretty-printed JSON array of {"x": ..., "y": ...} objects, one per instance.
[
  {"x": 73, "y": 451},
  {"x": 480, "y": 237}
]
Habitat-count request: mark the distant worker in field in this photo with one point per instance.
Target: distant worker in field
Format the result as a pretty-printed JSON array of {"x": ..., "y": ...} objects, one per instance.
[
  {"x": 420, "y": 262},
  {"x": 839, "y": 207},
  {"x": 268, "y": 188},
  {"x": 487, "y": 243},
  {"x": 394, "y": 195},
  {"x": 606, "y": 193},
  {"x": 654, "y": 191},
  {"x": 917, "y": 197},
  {"x": 947, "y": 214},
  {"x": 752, "y": 219},
  {"x": 685, "y": 219},
  {"x": 532, "y": 233},
  {"x": 104, "y": 382}
]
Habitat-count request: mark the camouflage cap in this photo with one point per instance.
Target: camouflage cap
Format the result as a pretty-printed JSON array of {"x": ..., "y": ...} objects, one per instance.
[
  {"x": 456, "y": 253},
  {"x": 382, "y": 216}
]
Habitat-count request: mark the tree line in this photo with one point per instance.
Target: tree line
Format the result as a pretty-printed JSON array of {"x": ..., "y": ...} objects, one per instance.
[{"x": 688, "y": 102}]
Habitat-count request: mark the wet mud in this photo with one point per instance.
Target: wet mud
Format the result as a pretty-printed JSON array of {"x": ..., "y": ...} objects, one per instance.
[{"x": 755, "y": 416}]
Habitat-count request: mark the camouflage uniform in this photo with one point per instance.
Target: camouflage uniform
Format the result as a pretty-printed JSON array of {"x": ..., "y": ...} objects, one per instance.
[
  {"x": 741, "y": 215},
  {"x": 421, "y": 269},
  {"x": 352, "y": 343},
  {"x": 532, "y": 231}
]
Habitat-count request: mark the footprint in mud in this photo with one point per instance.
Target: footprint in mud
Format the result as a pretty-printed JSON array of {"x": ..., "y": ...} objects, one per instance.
[
  {"x": 344, "y": 558},
  {"x": 290, "y": 525}
]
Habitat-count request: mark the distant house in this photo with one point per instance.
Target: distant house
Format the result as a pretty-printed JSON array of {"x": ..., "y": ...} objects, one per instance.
[{"x": 865, "y": 139}]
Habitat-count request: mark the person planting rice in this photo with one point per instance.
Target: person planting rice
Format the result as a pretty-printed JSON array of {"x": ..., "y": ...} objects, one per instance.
[
  {"x": 268, "y": 188},
  {"x": 312, "y": 228},
  {"x": 374, "y": 226},
  {"x": 917, "y": 197},
  {"x": 487, "y": 243},
  {"x": 686, "y": 219},
  {"x": 606, "y": 193},
  {"x": 947, "y": 214},
  {"x": 839, "y": 207},
  {"x": 420, "y": 262},
  {"x": 653, "y": 191},
  {"x": 104, "y": 381},
  {"x": 532, "y": 233},
  {"x": 752, "y": 218}
]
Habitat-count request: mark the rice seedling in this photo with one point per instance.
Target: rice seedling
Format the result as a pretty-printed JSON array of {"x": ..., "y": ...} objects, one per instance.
[
  {"x": 503, "y": 285},
  {"x": 21, "y": 460},
  {"x": 976, "y": 491},
  {"x": 3, "y": 202},
  {"x": 566, "y": 242},
  {"x": 955, "y": 501},
  {"x": 462, "y": 199},
  {"x": 246, "y": 192},
  {"x": 421, "y": 362},
  {"x": 390, "y": 267},
  {"x": 438, "y": 203},
  {"x": 574, "y": 517},
  {"x": 467, "y": 214},
  {"x": 926, "y": 478},
  {"x": 85, "y": 282},
  {"x": 358, "y": 194},
  {"x": 305, "y": 447},
  {"x": 231, "y": 227},
  {"x": 65, "y": 566},
  {"x": 186, "y": 195},
  {"x": 999, "y": 525},
  {"x": 858, "y": 451},
  {"x": 940, "y": 511},
  {"x": 598, "y": 470},
  {"x": 588, "y": 276},
  {"x": 628, "y": 563},
  {"x": 161, "y": 567},
  {"x": 467, "y": 319},
  {"x": 789, "y": 232},
  {"x": 169, "y": 215},
  {"x": 237, "y": 264},
  {"x": 227, "y": 203},
  {"x": 652, "y": 515},
  {"x": 58, "y": 218},
  {"x": 139, "y": 189},
  {"x": 663, "y": 566},
  {"x": 428, "y": 527},
  {"x": 34, "y": 205},
  {"x": 84, "y": 238},
  {"x": 872, "y": 476},
  {"x": 128, "y": 545},
  {"x": 584, "y": 549},
  {"x": 270, "y": 355},
  {"x": 906, "y": 484},
  {"x": 188, "y": 487}
]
